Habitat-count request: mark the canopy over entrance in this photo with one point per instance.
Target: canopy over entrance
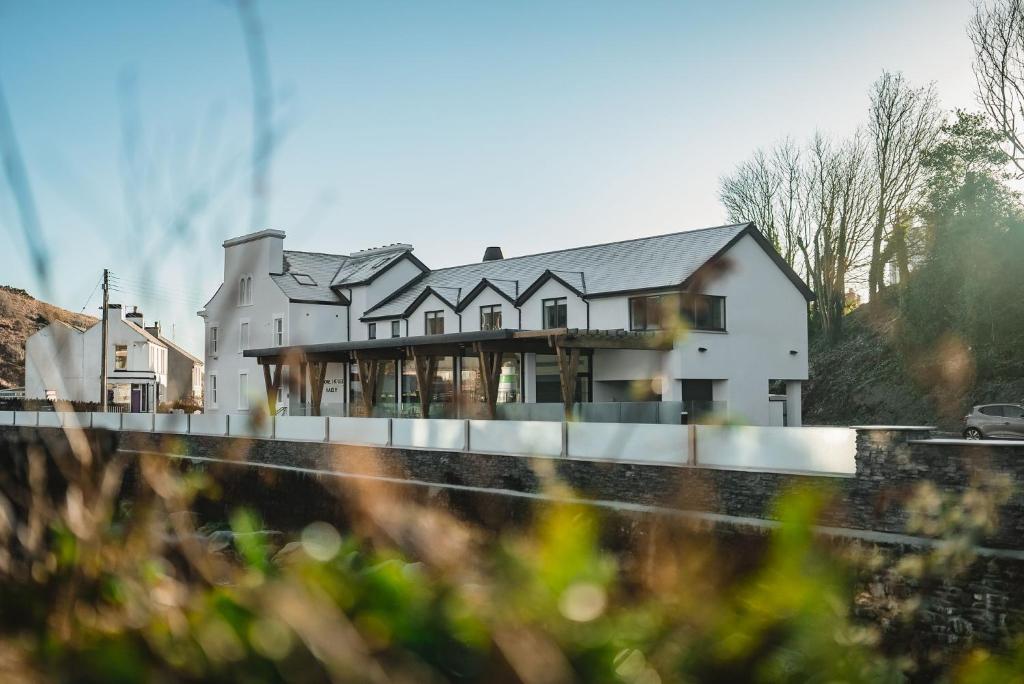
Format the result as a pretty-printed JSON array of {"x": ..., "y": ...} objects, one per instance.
[{"x": 308, "y": 362}]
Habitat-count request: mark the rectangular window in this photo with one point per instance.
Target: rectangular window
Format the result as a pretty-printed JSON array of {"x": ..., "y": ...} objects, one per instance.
[
  {"x": 211, "y": 391},
  {"x": 396, "y": 328},
  {"x": 372, "y": 331},
  {"x": 555, "y": 313},
  {"x": 278, "y": 331},
  {"x": 245, "y": 290},
  {"x": 121, "y": 357},
  {"x": 704, "y": 312},
  {"x": 243, "y": 391},
  {"x": 434, "y": 322},
  {"x": 213, "y": 341},
  {"x": 243, "y": 335},
  {"x": 490, "y": 317},
  {"x": 645, "y": 312}
]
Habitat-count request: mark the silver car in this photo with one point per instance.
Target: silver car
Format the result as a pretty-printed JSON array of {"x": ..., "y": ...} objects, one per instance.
[{"x": 987, "y": 421}]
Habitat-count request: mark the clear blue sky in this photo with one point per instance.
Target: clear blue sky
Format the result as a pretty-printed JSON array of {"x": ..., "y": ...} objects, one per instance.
[{"x": 450, "y": 125}]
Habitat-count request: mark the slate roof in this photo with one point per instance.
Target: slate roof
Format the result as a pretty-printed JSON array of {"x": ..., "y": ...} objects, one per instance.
[
  {"x": 329, "y": 270},
  {"x": 654, "y": 262},
  {"x": 320, "y": 267}
]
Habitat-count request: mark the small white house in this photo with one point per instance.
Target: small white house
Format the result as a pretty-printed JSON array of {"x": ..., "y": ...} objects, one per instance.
[
  {"x": 63, "y": 363},
  {"x": 744, "y": 309}
]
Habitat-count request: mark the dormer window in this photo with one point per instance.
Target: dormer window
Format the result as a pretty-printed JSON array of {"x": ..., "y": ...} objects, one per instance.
[{"x": 303, "y": 279}]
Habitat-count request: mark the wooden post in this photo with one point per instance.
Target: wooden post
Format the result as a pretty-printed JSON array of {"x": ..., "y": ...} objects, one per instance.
[
  {"x": 490, "y": 376},
  {"x": 303, "y": 373},
  {"x": 568, "y": 370},
  {"x": 426, "y": 371},
  {"x": 368, "y": 374},
  {"x": 272, "y": 384},
  {"x": 293, "y": 386},
  {"x": 317, "y": 376}
]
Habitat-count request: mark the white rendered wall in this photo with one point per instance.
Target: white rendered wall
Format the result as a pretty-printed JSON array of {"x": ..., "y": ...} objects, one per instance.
[
  {"x": 54, "y": 360},
  {"x": 389, "y": 281},
  {"x": 257, "y": 258},
  {"x": 316, "y": 323}
]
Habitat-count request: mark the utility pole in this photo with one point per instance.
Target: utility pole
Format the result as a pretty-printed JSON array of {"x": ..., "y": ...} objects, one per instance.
[{"x": 103, "y": 342}]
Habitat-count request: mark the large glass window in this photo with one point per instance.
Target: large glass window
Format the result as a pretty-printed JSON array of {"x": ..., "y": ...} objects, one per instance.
[
  {"x": 645, "y": 312},
  {"x": 434, "y": 322},
  {"x": 549, "y": 383},
  {"x": 490, "y": 317},
  {"x": 555, "y": 313},
  {"x": 704, "y": 312}
]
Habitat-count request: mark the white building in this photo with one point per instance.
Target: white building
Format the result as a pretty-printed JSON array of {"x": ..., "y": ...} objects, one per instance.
[
  {"x": 744, "y": 312},
  {"x": 63, "y": 363}
]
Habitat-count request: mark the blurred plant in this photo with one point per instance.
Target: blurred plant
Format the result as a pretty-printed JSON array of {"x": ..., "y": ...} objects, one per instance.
[{"x": 106, "y": 575}]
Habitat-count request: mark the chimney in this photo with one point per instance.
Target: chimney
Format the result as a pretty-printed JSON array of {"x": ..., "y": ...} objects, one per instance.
[
  {"x": 493, "y": 254},
  {"x": 135, "y": 316},
  {"x": 154, "y": 329}
]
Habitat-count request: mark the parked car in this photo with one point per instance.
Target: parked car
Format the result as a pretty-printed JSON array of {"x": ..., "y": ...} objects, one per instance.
[{"x": 1004, "y": 421}]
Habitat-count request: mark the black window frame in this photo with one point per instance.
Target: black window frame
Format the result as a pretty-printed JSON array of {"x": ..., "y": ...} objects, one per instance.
[
  {"x": 396, "y": 328},
  {"x": 544, "y": 312},
  {"x": 689, "y": 312},
  {"x": 371, "y": 331},
  {"x": 429, "y": 316},
  {"x": 490, "y": 309},
  {"x": 650, "y": 303}
]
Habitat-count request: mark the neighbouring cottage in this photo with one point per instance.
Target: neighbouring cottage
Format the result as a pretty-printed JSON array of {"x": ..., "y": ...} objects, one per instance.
[
  {"x": 144, "y": 369},
  {"x": 701, "y": 321}
]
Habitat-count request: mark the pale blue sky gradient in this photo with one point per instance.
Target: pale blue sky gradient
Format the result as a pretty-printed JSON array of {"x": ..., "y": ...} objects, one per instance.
[{"x": 450, "y": 125}]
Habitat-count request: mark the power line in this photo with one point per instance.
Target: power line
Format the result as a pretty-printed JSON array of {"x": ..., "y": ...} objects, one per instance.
[{"x": 94, "y": 288}]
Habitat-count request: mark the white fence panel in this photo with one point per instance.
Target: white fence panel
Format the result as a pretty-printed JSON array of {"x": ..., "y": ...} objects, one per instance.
[
  {"x": 73, "y": 419},
  {"x": 106, "y": 421},
  {"x": 209, "y": 424},
  {"x": 521, "y": 437},
  {"x": 48, "y": 419},
  {"x": 302, "y": 428},
  {"x": 138, "y": 422},
  {"x": 243, "y": 425},
  {"x": 814, "y": 449},
  {"x": 175, "y": 423},
  {"x": 431, "y": 433},
  {"x": 363, "y": 431},
  {"x": 629, "y": 442},
  {"x": 6, "y": 417}
]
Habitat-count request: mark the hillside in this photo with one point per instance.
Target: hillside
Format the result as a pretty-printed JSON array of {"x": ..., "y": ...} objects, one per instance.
[
  {"x": 864, "y": 378},
  {"x": 20, "y": 316}
]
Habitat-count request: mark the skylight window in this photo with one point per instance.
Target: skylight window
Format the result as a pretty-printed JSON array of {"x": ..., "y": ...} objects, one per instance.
[{"x": 303, "y": 279}]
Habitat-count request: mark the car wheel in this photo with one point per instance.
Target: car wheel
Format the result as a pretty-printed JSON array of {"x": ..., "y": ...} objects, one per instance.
[{"x": 972, "y": 433}]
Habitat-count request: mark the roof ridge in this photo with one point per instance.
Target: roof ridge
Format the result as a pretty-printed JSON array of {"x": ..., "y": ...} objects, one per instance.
[
  {"x": 599, "y": 244},
  {"x": 302, "y": 251}
]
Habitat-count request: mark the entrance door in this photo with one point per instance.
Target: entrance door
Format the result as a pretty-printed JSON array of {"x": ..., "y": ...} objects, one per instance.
[{"x": 137, "y": 398}]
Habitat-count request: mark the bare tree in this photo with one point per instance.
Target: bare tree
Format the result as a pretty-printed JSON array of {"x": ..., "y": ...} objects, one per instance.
[
  {"x": 997, "y": 32},
  {"x": 838, "y": 195},
  {"x": 903, "y": 122},
  {"x": 766, "y": 190}
]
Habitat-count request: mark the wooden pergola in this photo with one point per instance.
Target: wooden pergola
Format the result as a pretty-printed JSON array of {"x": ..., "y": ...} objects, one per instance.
[{"x": 308, "y": 363}]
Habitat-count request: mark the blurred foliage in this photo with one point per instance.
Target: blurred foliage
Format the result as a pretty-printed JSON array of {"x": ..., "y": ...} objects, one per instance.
[{"x": 99, "y": 586}]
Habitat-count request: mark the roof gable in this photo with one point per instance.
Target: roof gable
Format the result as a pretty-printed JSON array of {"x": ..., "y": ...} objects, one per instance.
[{"x": 483, "y": 285}]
